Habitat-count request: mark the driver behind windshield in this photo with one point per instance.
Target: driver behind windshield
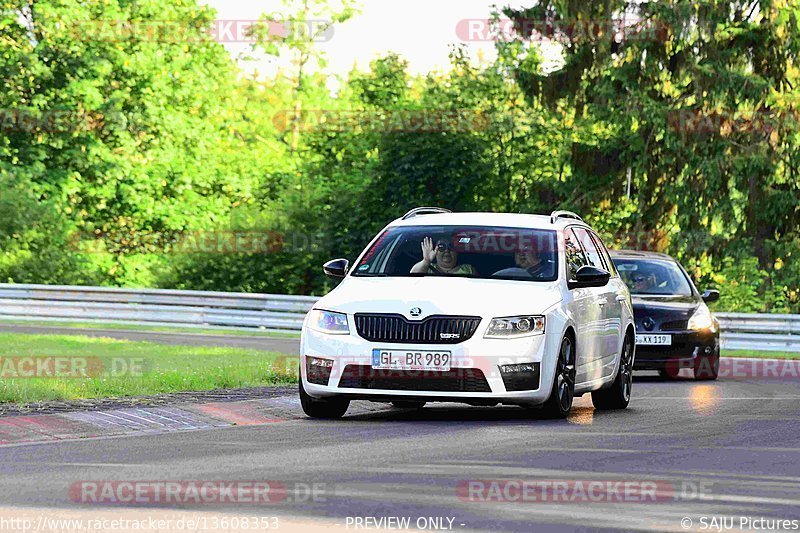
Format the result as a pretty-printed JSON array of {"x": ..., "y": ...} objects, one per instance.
[
  {"x": 528, "y": 264},
  {"x": 642, "y": 283},
  {"x": 440, "y": 259}
]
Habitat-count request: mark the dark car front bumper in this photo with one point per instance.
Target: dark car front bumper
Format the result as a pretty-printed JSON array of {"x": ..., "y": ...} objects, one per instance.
[{"x": 688, "y": 347}]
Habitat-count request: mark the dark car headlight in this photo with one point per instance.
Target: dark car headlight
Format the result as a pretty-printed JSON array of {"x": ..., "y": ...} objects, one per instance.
[{"x": 702, "y": 320}]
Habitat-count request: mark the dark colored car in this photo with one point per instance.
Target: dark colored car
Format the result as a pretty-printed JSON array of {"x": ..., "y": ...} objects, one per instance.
[{"x": 674, "y": 328}]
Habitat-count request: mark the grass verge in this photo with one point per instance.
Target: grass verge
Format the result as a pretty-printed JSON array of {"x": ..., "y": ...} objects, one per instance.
[
  {"x": 130, "y": 368},
  {"x": 760, "y": 354}
]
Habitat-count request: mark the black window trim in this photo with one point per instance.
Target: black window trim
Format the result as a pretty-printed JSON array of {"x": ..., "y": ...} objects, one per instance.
[
  {"x": 598, "y": 242},
  {"x": 580, "y": 245}
]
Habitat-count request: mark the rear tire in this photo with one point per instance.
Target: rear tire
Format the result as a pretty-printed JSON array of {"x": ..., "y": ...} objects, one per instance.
[
  {"x": 618, "y": 395},
  {"x": 322, "y": 408},
  {"x": 559, "y": 403},
  {"x": 409, "y": 404}
]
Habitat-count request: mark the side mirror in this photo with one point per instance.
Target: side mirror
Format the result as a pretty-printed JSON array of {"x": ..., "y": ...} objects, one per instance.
[
  {"x": 710, "y": 296},
  {"x": 336, "y": 268},
  {"x": 589, "y": 276}
]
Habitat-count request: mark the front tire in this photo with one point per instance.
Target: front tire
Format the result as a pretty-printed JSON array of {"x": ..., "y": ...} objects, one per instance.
[
  {"x": 559, "y": 403},
  {"x": 707, "y": 368},
  {"x": 322, "y": 408},
  {"x": 618, "y": 396}
]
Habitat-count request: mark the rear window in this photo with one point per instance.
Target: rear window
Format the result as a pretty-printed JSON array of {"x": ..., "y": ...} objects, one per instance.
[{"x": 485, "y": 252}]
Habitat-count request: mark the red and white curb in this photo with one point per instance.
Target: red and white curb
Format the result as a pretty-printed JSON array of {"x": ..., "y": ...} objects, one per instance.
[{"x": 162, "y": 419}]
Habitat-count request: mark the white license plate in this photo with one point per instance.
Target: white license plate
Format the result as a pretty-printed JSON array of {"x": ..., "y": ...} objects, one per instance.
[
  {"x": 411, "y": 360},
  {"x": 654, "y": 340}
]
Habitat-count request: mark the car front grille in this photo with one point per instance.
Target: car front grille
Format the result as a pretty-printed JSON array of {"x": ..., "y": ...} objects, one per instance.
[
  {"x": 438, "y": 329},
  {"x": 674, "y": 325},
  {"x": 454, "y": 380}
]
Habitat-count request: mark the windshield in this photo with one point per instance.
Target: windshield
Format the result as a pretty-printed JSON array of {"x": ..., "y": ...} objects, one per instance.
[
  {"x": 485, "y": 252},
  {"x": 653, "y": 276}
]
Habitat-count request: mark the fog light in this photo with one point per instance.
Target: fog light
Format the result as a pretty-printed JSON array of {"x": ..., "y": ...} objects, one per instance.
[
  {"x": 514, "y": 369},
  {"x": 318, "y": 370},
  {"x": 519, "y": 377}
]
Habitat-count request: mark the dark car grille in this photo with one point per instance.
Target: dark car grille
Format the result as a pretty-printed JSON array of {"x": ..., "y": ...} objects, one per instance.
[
  {"x": 396, "y": 328},
  {"x": 454, "y": 380},
  {"x": 674, "y": 325}
]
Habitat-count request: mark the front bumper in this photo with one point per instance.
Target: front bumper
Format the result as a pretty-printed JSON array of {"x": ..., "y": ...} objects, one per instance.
[
  {"x": 475, "y": 375},
  {"x": 687, "y": 347}
]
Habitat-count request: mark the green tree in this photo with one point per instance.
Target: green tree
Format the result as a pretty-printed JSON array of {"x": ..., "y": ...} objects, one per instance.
[
  {"x": 146, "y": 149},
  {"x": 696, "y": 101}
]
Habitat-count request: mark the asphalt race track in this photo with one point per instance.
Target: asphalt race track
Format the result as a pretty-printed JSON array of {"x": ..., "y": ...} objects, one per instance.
[{"x": 715, "y": 450}]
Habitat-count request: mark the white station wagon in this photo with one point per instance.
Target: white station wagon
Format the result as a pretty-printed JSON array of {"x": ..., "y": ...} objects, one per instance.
[{"x": 480, "y": 308}]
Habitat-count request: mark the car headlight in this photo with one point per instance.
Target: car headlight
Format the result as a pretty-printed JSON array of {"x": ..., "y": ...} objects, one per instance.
[
  {"x": 511, "y": 327},
  {"x": 328, "y": 322},
  {"x": 701, "y": 319}
]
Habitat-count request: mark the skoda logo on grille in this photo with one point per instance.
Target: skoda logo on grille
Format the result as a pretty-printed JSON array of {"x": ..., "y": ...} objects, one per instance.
[
  {"x": 648, "y": 323},
  {"x": 415, "y": 311}
]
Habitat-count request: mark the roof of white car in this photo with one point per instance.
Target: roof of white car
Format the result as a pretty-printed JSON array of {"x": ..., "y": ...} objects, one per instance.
[{"x": 512, "y": 220}]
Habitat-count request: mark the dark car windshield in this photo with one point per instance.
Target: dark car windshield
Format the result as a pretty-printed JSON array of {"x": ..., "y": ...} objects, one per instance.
[
  {"x": 485, "y": 252},
  {"x": 653, "y": 276}
]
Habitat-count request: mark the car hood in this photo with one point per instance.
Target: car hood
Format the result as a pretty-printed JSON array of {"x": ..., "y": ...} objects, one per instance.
[
  {"x": 651, "y": 311},
  {"x": 435, "y": 295},
  {"x": 668, "y": 302}
]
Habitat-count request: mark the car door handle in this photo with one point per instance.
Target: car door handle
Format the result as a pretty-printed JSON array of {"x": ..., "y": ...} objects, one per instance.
[{"x": 602, "y": 301}]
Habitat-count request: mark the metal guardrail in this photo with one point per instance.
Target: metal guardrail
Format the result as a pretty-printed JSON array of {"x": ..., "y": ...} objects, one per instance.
[
  {"x": 767, "y": 332},
  {"x": 280, "y": 312},
  {"x": 153, "y": 307}
]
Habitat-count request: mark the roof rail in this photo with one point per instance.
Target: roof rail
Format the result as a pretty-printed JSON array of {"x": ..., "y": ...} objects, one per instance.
[
  {"x": 425, "y": 211},
  {"x": 555, "y": 215}
]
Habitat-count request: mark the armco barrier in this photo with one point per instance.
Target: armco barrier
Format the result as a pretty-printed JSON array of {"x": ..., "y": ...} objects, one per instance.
[
  {"x": 153, "y": 306},
  {"x": 768, "y": 332},
  {"x": 281, "y": 312}
]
